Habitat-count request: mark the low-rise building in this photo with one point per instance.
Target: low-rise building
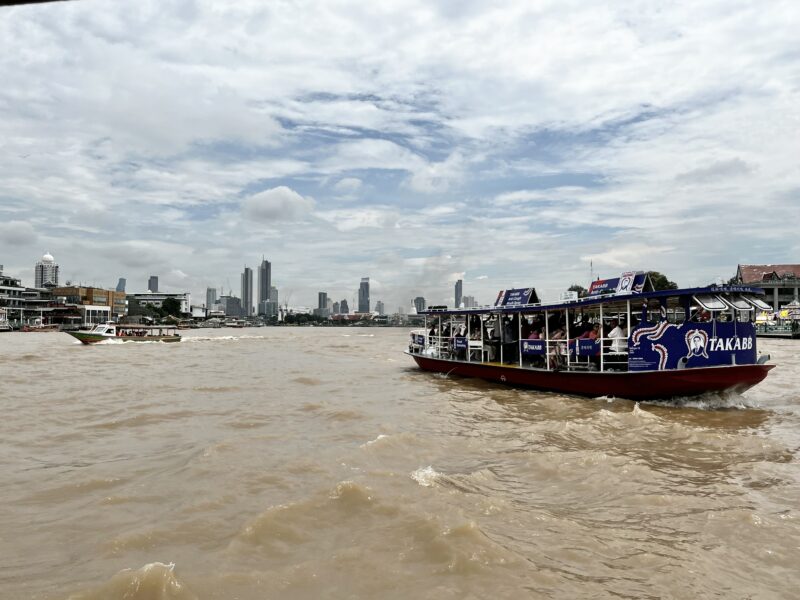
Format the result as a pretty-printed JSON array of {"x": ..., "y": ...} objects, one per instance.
[
  {"x": 781, "y": 283},
  {"x": 91, "y": 296},
  {"x": 156, "y": 299}
]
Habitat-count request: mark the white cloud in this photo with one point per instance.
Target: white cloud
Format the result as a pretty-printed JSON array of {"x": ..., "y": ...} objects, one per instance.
[
  {"x": 348, "y": 185},
  {"x": 277, "y": 204}
]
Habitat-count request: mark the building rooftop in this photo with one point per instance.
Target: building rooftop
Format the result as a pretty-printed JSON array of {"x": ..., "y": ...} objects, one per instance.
[{"x": 759, "y": 273}]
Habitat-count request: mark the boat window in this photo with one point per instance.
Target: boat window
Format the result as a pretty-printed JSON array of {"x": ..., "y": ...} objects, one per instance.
[
  {"x": 709, "y": 302},
  {"x": 757, "y": 302},
  {"x": 738, "y": 302}
]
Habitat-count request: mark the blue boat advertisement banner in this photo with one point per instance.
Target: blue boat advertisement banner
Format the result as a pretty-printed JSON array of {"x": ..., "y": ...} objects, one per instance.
[
  {"x": 676, "y": 346},
  {"x": 460, "y": 343},
  {"x": 588, "y": 347},
  {"x": 530, "y": 347},
  {"x": 601, "y": 286},
  {"x": 632, "y": 282},
  {"x": 516, "y": 297}
]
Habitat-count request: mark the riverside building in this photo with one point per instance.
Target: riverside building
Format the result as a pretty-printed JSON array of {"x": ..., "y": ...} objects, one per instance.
[
  {"x": 46, "y": 272},
  {"x": 780, "y": 283},
  {"x": 363, "y": 295}
]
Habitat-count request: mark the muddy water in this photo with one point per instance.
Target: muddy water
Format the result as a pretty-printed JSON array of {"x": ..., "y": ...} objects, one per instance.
[{"x": 319, "y": 463}]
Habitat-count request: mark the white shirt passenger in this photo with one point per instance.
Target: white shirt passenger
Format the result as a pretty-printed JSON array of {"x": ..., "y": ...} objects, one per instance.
[{"x": 619, "y": 340}]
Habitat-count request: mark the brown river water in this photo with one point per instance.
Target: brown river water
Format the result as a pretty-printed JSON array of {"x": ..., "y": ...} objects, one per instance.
[{"x": 321, "y": 463}]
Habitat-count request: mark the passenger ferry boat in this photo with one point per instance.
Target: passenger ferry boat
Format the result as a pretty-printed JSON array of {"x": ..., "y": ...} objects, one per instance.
[
  {"x": 127, "y": 333},
  {"x": 623, "y": 340}
]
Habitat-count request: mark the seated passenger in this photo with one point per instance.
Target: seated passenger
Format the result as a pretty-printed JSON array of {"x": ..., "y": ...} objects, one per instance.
[
  {"x": 619, "y": 341},
  {"x": 535, "y": 335}
]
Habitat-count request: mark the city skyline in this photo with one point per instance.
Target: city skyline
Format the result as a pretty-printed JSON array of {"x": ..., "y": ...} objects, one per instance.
[{"x": 516, "y": 155}]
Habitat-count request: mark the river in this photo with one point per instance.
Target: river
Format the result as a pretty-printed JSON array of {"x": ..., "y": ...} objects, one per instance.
[{"x": 311, "y": 463}]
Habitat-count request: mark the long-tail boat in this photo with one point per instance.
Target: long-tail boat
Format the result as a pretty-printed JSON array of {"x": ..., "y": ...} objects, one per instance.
[{"x": 623, "y": 339}]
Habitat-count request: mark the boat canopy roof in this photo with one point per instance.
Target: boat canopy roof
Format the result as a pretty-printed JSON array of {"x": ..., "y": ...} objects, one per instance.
[{"x": 606, "y": 299}]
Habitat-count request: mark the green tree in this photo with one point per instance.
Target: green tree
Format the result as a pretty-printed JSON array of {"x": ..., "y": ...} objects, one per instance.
[
  {"x": 660, "y": 281},
  {"x": 171, "y": 306},
  {"x": 582, "y": 291}
]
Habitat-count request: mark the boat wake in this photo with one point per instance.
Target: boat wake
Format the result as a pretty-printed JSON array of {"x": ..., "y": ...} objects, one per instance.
[{"x": 709, "y": 401}]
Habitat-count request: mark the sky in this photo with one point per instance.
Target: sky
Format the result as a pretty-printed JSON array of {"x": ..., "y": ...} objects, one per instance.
[{"x": 508, "y": 144}]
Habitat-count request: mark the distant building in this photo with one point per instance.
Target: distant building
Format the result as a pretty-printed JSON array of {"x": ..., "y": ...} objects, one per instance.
[
  {"x": 94, "y": 297},
  {"x": 231, "y": 305},
  {"x": 459, "y": 289},
  {"x": 380, "y": 308},
  {"x": 46, "y": 272},
  {"x": 343, "y": 307},
  {"x": 335, "y": 308},
  {"x": 271, "y": 308},
  {"x": 121, "y": 284},
  {"x": 211, "y": 297},
  {"x": 273, "y": 294},
  {"x": 156, "y": 299},
  {"x": 363, "y": 295},
  {"x": 419, "y": 303},
  {"x": 401, "y": 310},
  {"x": 469, "y": 302},
  {"x": 247, "y": 292},
  {"x": 265, "y": 285},
  {"x": 322, "y": 300},
  {"x": 152, "y": 284},
  {"x": 781, "y": 283}
]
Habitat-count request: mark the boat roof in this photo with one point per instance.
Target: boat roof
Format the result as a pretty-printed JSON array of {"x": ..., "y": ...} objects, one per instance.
[{"x": 595, "y": 300}]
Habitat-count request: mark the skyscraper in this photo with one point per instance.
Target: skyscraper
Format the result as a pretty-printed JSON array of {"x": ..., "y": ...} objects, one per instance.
[
  {"x": 363, "y": 295},
  {"x": 335, "y": 309},
  {"x": 273, "y": 294},
  {"x": 419, "y": 303},
  {"x": 322, "y": 300},
  {"x": 247, "y": 292},
  {"x": 459, "y": 287},
  {"x": 343, "y": 307},
  {"x": 469, "y": 302},
  {"x": 264, "y": 285},
  {"x": 121, "y": 284},
  {"x": 46, "y": 272},
  {"x": 380, "y": 308},
  {"x": 211, "y": 297},
  {"x": 152, "y": 283}
]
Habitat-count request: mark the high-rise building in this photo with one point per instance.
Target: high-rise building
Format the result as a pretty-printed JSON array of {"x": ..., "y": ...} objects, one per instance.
[
  {"x": 273, "y": 294},
  {"x": 211, "y": 297},
  {"x": 247, "y": 292},
  {"x": 335, "y": 309},
  {"x": 363, "y": 295},
  {"x": 419, "y": 303},
  {"x": 265, "y": 285},
  {"x": 152, "y": 284},
  {"x": 121, "y": 284},
  {"x": 322, "y": 300},
  {"x": 46, "y": 272},
  {"x": 343, "y": 307},
  {"x": 469, "y": 302},
  {"x": 379, "y": 307},
  {"x": 459, "y": 289}
]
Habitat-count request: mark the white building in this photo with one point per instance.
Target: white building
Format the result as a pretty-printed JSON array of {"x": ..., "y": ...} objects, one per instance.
[
  {"x": 156, "y": 299},
  {"x": 46, "y": 272}
]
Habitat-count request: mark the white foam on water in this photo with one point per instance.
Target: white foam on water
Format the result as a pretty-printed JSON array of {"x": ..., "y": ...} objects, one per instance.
[
  {"x": 369, "y": 443},
  {"x": 425, "y": 476}
]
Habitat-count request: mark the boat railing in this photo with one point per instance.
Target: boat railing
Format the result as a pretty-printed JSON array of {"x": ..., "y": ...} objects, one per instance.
[{"x": 579, "y": 354}]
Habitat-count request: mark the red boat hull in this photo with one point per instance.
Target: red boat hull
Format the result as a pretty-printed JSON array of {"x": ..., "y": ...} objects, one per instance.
[{"x": 647, "y": 385}]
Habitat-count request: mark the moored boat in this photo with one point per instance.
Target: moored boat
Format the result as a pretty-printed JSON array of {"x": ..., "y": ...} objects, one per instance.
[
  {"x": 40, "y": 328},
  {"x": 623, "y": 339},
  {"x": 127, "y": 333}
]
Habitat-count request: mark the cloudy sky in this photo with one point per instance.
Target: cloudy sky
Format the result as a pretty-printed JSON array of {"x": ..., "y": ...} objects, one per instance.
[{"x": 411, "y": 142}]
